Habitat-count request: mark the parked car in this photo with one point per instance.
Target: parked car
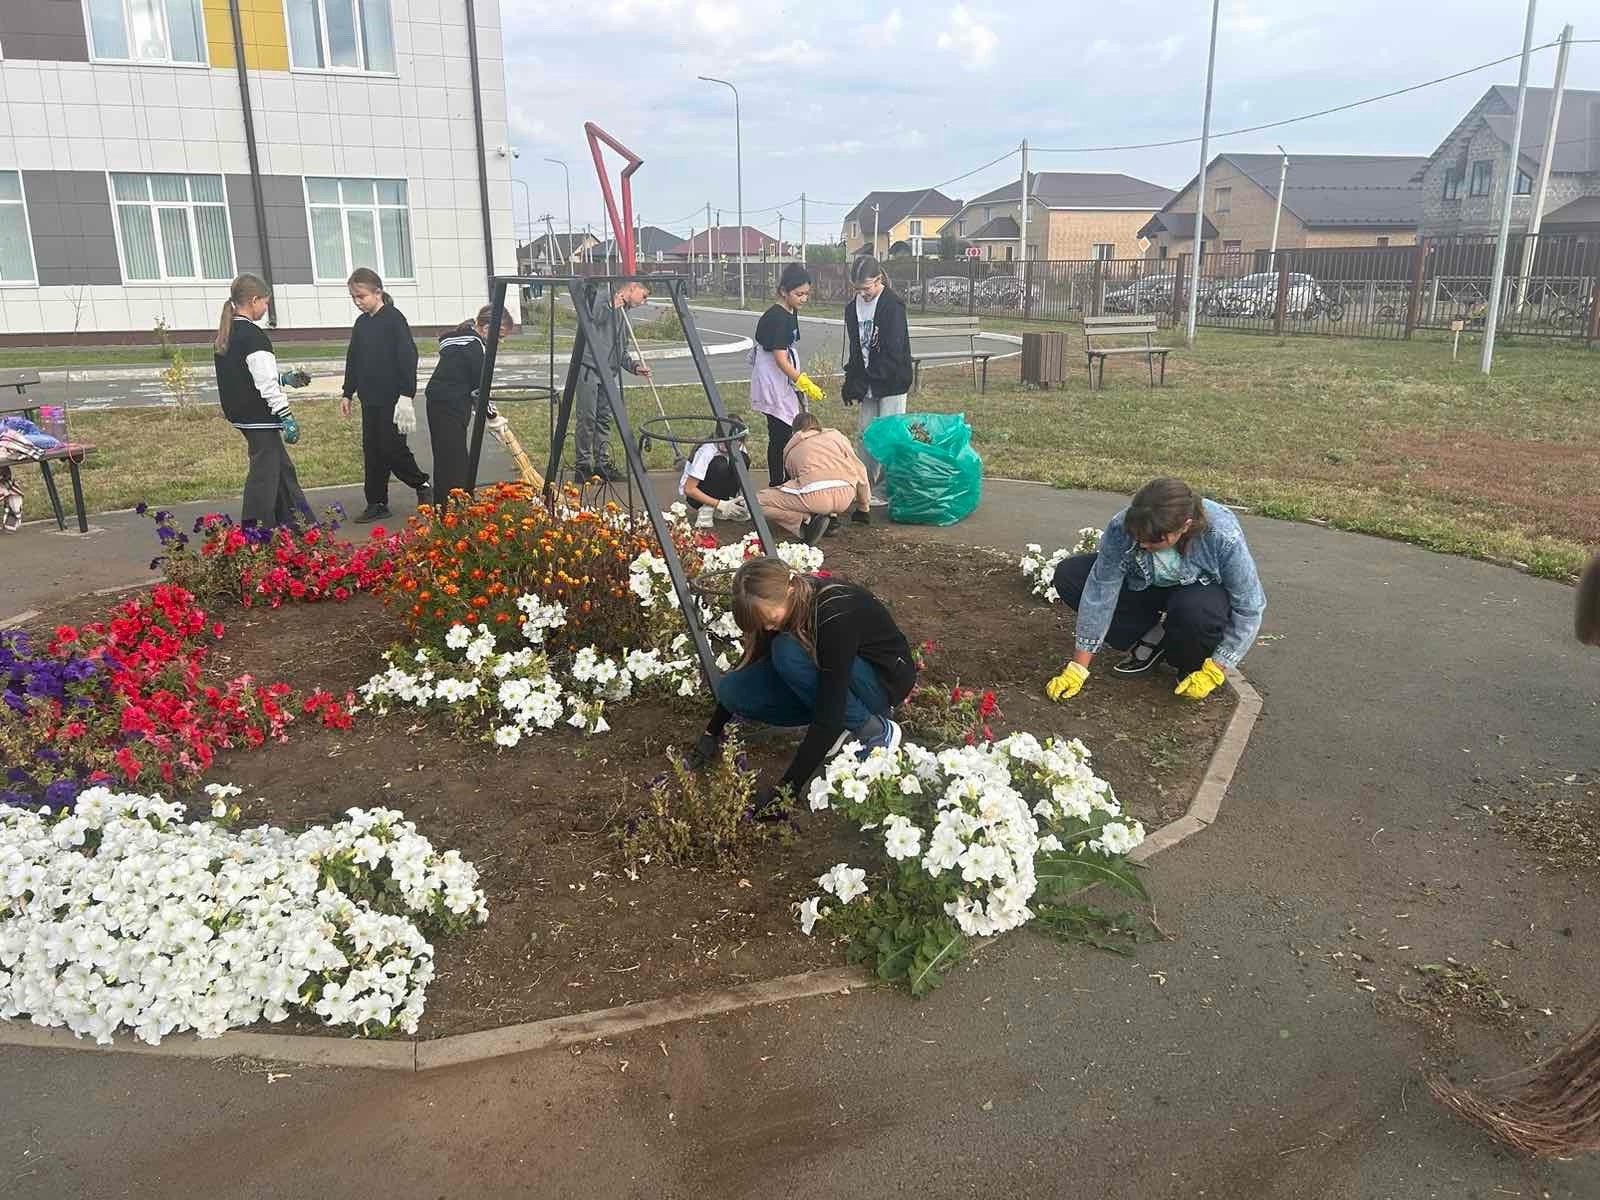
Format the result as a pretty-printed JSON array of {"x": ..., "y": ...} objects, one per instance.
[{"x": 1257, "y": 296}]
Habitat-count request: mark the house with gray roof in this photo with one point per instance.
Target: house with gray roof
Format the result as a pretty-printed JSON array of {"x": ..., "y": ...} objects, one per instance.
[
  {"x": 1328, "y": 200},
  {"x": 893, "y": 223},
  {"x": 1071, "y": 215},
  {"x": 1463, "y": 182}
]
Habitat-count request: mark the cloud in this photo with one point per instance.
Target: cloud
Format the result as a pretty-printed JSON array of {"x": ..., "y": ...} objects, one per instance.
[
  {"x": 524, "y": 127},
  {"x": 1099, "y": 48},
  {"x": 1167, "y": 48},
  {"x": 716, "y": 19},
  {"x": 884, "y": 33},
  {"x": 849, "y": 146},
  {"x": 970, "y": 38},
  {"x": 797, "y": 53}
]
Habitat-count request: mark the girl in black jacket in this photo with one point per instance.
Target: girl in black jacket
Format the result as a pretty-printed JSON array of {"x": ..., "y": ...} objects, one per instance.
[
  {"x": 381, "y": 368},
  {"x": 452, "y": 392},
  {"x": 251, "y": 390},
  {"x": 877, "y": 372}
]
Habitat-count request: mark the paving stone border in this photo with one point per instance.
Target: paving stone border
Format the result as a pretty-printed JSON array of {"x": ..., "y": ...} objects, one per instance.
[{"x": 555, "y": 1032}]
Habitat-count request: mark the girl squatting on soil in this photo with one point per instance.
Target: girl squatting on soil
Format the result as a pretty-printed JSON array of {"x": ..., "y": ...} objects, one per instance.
[
  {"x": 877, "y": 372},
  {"x": 381, "y": 368},
  {"x": 250, "y": 387},
  {"x": 452, "y": 392},
  {"x": 1173, "y": 579},
  {"x": 817, "y": 652},
  {"x": 824, "y": 479},
  {"x": 776, "y": 381}
]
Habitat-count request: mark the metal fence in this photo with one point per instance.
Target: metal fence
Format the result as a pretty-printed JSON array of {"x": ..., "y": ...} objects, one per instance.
[{"x": 1551, "y": 287}]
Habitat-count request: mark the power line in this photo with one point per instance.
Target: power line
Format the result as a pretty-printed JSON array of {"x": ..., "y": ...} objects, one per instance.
[{"x": 1323, "y": 112}]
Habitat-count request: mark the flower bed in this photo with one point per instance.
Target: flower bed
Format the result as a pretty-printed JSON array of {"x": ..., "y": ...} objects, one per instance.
[{"x": 120, "y": 916}]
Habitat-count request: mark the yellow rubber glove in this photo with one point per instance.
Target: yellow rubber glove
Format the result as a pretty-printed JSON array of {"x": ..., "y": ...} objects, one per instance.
[
  {"x": 1201, "y": 683},
  {"x": 808, "y": 388},
  {"x": 1069, "y": 683}
]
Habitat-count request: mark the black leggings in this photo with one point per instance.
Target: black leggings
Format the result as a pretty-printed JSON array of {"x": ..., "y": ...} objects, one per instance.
[
  {"x": 721, "y": 481},
  {"x": 447, "y": 432},
  {"x": 1197, "y": 614},
  {"x": 777, "y": 442},
  {"x": 385, "y": 452}
]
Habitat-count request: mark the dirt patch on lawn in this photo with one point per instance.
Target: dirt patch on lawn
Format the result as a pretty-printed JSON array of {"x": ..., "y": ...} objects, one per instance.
[{"x": 568, "y": 931}]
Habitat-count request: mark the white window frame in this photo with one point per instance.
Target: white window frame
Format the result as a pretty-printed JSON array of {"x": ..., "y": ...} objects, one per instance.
[
  {"x": 1222, "y": 200},
  {"x": 200, "y": 278},
  {"x": 916, "y": 227},
  {"x": 1109, "y": 247},
  {"x": 344, "y": 224},
  {"x": 203, "y": 63},
  {"x": 328, "y": 68},
  {"x": 27, "y": 232}
]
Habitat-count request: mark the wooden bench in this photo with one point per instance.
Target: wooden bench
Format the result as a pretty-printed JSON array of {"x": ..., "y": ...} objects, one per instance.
[
  {"x": 72, "y": 453},
  {"x": 943, "y": 327},
  {"x": 1104, "y": 327}
]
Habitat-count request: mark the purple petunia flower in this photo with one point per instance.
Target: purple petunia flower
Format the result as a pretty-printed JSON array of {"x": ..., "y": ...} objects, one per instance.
[
  {"x": 62, "y": 793},
  {"x": 141, "y": 508}
]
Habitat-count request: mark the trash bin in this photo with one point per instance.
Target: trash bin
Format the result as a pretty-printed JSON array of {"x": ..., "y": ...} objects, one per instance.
[{"x": 1044, "y": 358}]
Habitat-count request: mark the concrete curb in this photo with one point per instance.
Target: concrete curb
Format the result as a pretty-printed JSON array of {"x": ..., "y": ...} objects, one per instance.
[
  {"x": 1014, "y": 339},
  {"x": 555, "y": 1032}
]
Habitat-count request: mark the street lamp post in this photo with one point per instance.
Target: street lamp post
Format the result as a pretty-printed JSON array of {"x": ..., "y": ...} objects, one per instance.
[
  {"x": 738, "y": 159},
  {"x": 527, "y": 201},
  {"x": 558, "y": 162}
]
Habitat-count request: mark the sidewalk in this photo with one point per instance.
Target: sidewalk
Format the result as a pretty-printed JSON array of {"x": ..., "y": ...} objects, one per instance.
[{"x": 1237, "y": 1060}]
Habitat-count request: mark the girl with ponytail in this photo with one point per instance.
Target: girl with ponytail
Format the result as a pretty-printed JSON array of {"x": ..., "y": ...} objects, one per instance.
[{"x": 250, "y": 387}]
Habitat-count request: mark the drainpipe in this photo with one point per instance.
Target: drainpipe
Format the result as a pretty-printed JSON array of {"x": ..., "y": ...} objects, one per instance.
[
  {"x": 257, "y": 196},
  {"x": 483, "y": 161}
]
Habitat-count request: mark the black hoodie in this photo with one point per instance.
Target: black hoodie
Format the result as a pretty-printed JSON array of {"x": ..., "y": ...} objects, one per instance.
[
  {"x": 381, "y": 364},
  {"x": 459, "y": 370},
  {"x": 888, "y": 373}
]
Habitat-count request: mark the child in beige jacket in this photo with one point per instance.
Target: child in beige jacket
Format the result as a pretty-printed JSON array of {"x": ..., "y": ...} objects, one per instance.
[{"x": 824, "y": 478}]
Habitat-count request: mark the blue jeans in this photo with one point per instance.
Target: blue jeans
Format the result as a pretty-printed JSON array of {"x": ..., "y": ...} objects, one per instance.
[{"x": 781, "y": 689}]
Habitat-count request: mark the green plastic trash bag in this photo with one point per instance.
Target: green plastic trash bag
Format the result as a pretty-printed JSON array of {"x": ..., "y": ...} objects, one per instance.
[{"x": 935, "y": 477}]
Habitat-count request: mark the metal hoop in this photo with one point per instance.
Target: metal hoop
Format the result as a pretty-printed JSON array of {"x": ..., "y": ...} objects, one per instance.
[
  {"x": 717, "y": 584},
  {"x": 726, "y": 432}
]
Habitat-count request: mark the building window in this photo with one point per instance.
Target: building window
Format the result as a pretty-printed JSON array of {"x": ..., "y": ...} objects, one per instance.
[
  {"x": 1383, "y": 241},
  {"x": 1010, "y": 252},
  {"x": 1224, "y": 200},
  {"x": 1105, "y": 251},
  {"x": 1161, "y": 250},
  {"x": 172, "y": 227},
  {"x": 1524, "y": 184},
  {"x": 961, "y": 228},
  {"x": 359, "y": 223},
  {"x": 988, "y": 215},
  {"x": 916, "y": 229},
  {"x": 1482, "y": 177},
  {"x": 1231, "y": 247},
  {"x": 16, "y": 246},
  {"x": 988, "y": 253},
  {"x": 341, "y": 35},
  {"x": 147, "y": 30},
  {"x": 1452, "y": 183}
]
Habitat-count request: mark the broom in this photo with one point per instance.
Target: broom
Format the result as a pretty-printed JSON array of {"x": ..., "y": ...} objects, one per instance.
[
  {"x": 1552, "y": 1109},
  {"x": 530, "y": 474}
]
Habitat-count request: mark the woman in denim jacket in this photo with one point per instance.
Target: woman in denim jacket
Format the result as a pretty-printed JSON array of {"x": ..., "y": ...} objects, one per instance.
[{"x": 1173, "y": 580}]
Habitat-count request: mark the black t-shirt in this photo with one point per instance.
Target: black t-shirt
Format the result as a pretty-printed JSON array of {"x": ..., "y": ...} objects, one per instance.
[{"x": 779, "y": 329}]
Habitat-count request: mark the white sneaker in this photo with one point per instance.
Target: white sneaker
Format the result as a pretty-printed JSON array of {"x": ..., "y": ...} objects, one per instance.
[
  {"x": 880, "y": 502},
  {"x": 704, "y": 516}
]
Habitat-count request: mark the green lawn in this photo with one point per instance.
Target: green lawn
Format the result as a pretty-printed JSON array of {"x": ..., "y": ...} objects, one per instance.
[{"x": 1389, "y": 438}]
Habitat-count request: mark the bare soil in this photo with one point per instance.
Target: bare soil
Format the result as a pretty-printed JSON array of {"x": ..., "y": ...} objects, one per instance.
[{"x": 568, "y": 931}]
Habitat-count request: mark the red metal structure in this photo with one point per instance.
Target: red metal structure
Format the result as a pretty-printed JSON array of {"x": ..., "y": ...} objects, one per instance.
[{"x": 623, "y": 228}]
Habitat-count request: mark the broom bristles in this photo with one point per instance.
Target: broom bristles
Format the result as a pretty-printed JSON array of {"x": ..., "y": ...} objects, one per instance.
[{"x": 1551, "y": 1109}]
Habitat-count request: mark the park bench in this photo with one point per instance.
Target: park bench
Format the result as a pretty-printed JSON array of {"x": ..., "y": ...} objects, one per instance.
[
  {"x": 1103, "y": 327},
  {"x": 944, "y": 327},
  {"x": 72, "y": 453}
]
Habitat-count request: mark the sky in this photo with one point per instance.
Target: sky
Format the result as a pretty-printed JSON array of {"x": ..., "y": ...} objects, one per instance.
[{"x": 840, "y": 99}]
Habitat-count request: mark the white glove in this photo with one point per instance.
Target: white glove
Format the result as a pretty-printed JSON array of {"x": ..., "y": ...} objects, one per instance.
[
  {"x": 495, "y": 422},
  {"x": 405, "y": 415},
  {"x": 733, "y": 510}
]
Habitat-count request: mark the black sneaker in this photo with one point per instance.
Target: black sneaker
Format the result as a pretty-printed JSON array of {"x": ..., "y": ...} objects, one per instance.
[
  {"x": 833, "y": 526},
  {"x": 582, "y": 476},
  {"x": 371, "y": 513},
  {"x": 1146, "y": 653},
  {"x": 814, "y": 527},
  {"x": 611, "y": 473},
  {"x": 861, "y": 517},
  {"x": 424, "y": 493}
]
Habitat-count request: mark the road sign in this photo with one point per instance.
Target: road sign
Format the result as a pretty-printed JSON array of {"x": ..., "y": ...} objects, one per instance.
[{"x": 972, "y": 252}]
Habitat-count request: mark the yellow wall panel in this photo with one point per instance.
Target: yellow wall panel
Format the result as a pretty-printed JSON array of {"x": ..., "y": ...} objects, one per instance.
[{"x": 266, "y": 38}]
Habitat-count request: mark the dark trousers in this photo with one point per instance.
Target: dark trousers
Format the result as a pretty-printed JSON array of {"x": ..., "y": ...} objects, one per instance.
[
  {"x": 386, "y": 453},
  {"x": 1197, "y": 614},
  {"x": 272, "y": 494},
  {"x": 447, "y": 431},
  {"x": 781, "y": 689},
  {"x": 721, "y": 481},
  {"x": 777, "y": 441}
]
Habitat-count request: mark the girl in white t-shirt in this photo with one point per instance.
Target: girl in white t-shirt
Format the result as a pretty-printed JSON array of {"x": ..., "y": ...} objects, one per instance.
[{"x": 710, "y": 486}]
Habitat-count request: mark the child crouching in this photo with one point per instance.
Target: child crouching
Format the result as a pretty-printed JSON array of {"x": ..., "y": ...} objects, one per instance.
[{"x": 824, "y": 479}]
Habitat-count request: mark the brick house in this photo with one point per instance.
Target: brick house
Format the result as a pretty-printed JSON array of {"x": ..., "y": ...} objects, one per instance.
[
  {"x": 906, "y": 223},
  {"x": 1463, "y": 182},
  {"x": 1328, "y": 200},
  {"x": 1071, "y": 215}
]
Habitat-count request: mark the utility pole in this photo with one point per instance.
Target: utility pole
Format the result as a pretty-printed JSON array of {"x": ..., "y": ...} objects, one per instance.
[
  {"x": 719, "y": 243},
  {"x": 738, "y": 159},
  {"x": 527, "y": 203},
  {"x": 568, "y": 175},
  {"x": 802, "y": 229},
  {"x": 780, "y": 233},
  {"x": 875, "y": 231},
  {"x": 1283, "y": 176},
  {"x": 710, "y": 270},
  {"x": 1530, "y": 244},
  {"x": 1200, "y": 190},
  {"x": 1022, "y": 234},
  {"x": 1492, "y": 318},
  {"x": 691, "y": 252}
]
